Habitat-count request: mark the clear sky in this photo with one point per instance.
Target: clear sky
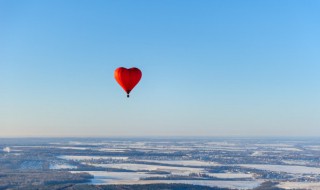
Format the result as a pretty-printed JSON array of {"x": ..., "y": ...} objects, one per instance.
[{"x": 210, "y": 68}]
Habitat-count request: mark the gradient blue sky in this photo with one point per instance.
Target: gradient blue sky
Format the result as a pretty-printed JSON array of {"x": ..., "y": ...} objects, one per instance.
[{"x": 210, "y": 68}]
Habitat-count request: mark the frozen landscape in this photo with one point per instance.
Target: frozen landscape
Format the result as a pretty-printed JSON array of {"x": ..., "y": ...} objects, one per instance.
[{"x": 232, "y": 163}]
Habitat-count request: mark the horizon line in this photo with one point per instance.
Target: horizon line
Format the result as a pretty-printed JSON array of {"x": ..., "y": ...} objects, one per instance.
[{"x": 155, "y": 136}]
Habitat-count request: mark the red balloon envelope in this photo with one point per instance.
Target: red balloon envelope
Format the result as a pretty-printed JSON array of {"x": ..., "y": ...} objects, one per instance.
[{"x": 127, "y": 78}]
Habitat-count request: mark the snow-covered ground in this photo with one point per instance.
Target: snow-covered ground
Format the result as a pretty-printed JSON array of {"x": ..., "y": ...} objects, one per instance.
[
  {"x": 61, "y": 166},
  {"x": 299, "y": 185},
  {"x": 138, "y": 167},
  {"x": 257, "y": 153},
  {"x": 228, "y": 148},
  {"x": 284, "y": 168},
  {"x": 112, "y": 150},
  {"x": 288, "y": 149},
  {"x": 171, "y": 148},
  {"x": 313, "y": 147},
  {"x": 296, "y": 162},
  {"x": 72, "y": 147},
  {"x": 6, "y": 149},
  {"x": 217, "y": 183},
  {"x": 265, "y": 152},
  {"x": 183, "y": 162},
  {"x": 80, "y": 158},
  {"x": 231, "y": 175},
  {"x": 102, "y": 177},
  {"x": 218, "y": 151},
  {"x": 273, "y": 145}
]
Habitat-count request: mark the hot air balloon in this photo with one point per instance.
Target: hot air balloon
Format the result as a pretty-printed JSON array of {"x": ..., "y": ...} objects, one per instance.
[{"x": 127, "y": 78}]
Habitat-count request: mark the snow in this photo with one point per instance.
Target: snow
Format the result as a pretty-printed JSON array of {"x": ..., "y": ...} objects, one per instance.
[
  {"x": 229, "y": 148},
  {"x": 300, "y": 185},
  {"x": 273, "y": 145},
  {"x": 61, "y": 166},
  {"x": 137, "y": 167},
  {"x": 263, "y": 153},
  {"x": 288, "y": 149},
  {"x": 6, "y": 149},
  {"x": 72, "y": 147},
  {"x": 32, "y": 146},
  {"x": 183, "y": 162},
  {"x": 216, "y": 183},
  {"x": 284, "y": 168},
  {"x": 103, "y": 177},
  {"x": 221, "y": 143},
  {"x": 296, "y": 162},
  {"x": 171, "y": 148},
  {"x": 231, "y": 175},
  {"x": 313, "y": 147},
  {"x": 257, "y": 153},
  {"x": 86, "y": 143},
  {"x": 112, "y": 150},
  {"x": 79, "y": 158}
]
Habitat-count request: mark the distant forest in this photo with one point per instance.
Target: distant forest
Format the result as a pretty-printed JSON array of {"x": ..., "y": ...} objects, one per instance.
[{"x": 264, "y": 186}]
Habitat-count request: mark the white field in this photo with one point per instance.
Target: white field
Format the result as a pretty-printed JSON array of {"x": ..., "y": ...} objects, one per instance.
[
  {"x": 284, "y": 168},
  {"x": 61, "y": 166},
  {"x": 257, "y": 153},
  {"x": 183, "y": 162},
  {"x": 86, "y": 143},
  {"x": 288, "y": 149},
  {"x": 299, "y": 185},
  {"x": 102, "y": 177},
  {"x": 297, "y": 162},
  {"x": 72, "y": 147},
  {"x": 222, "y": 143},
  {"x": 6, "y": 149},
  {"x": 264, "y": 152},
  {"x": 112, "y": 150},
  {"x": 313, "y": 147},
  {"x": 136, "y": 167},
  {"x": 171, "y": 148},
  {"x": 217, "y": 183},
  {"x": 182, "y": 171},
  {"x": 228, "y": 148},
  {"x": 230, "y": 175},
  {"x": 29, "y": 146},
  {"x": 56, "y": 143},
  {"x": 61, "y": 147},
  {"x": 273, "y": 145},
  {"x": 80, "y": 158}
]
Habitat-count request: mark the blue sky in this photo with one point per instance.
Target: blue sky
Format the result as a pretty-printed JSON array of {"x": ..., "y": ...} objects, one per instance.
[{"x": 210, "y": 68}]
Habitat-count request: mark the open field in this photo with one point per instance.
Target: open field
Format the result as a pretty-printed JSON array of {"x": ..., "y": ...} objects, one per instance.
[{"x": 217, "y": 162}]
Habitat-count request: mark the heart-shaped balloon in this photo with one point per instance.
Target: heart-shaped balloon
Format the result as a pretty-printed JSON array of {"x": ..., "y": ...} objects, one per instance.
[{"x": 127, "y": 78}]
